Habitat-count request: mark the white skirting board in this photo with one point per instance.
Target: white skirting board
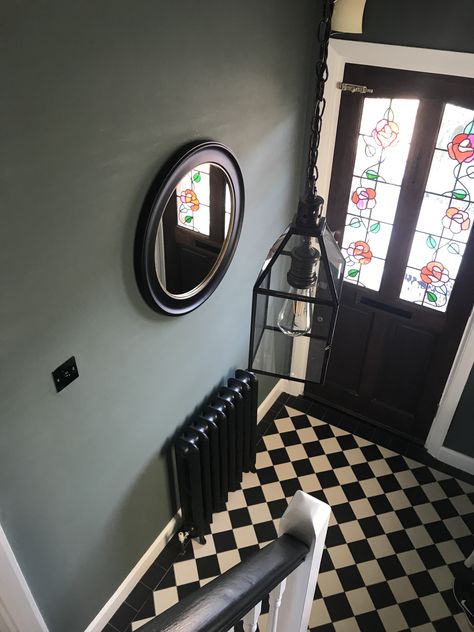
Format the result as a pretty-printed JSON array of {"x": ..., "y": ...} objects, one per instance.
[
  {"x": 282, "y": 386},
  {"x": 456, "y": 459},
  {"x": 132, "y": 579}
]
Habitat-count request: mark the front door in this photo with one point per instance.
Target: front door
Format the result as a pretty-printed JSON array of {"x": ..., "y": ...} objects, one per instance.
[{"x": 401, "y": 204}]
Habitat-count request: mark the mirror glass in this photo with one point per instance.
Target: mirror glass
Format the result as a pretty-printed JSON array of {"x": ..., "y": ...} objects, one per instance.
[
  {"x": 193, "y": 233},
  {"x": 189, "y": 227}
]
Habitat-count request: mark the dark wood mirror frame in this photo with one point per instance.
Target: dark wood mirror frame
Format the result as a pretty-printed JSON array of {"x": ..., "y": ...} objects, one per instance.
[{"x": 162, "y": 188}]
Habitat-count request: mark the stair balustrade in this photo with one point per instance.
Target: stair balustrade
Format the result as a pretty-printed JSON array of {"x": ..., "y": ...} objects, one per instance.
[{"x": 286, "y": 570}]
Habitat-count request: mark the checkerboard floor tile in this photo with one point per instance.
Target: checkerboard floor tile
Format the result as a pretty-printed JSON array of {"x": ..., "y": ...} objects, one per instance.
[{"x": 399, "y": 530}]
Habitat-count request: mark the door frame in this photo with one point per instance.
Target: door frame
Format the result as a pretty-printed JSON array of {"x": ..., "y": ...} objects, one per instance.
[
  {"x": 18, "y": 609},
  {"x": 401, "y": 58},
  {"x": 452, "y": 393}
]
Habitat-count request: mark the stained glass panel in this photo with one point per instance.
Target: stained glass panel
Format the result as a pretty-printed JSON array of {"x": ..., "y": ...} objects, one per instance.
[
  {"x": 193, "y": 202},
  {"x": 446, "y": 215},
  {"x": 382, "y": 150}
]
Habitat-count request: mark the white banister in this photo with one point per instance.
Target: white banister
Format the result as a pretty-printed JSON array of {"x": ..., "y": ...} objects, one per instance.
[
  {"x": 275, "y": 603},
  {"x": 306, "y": 519},
  {"x": 251, "y": 618}
]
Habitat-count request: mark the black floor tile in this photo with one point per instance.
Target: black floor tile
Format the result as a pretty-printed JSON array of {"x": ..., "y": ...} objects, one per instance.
[
  {"x": 370, "y": 621},
  {"x": 224, "y": 541},
  {"x": 338, "y": 607},
  {"x": 121, "y": 619},
  {"x": 371, "y": 526},
  {"x": 423, "y": 584},
  {"x": 430, "y": 556},
  {"x": 355, "y": 560},
  {"x": 438, "y": 532},
  {"x": 153, "y": 576},
  {"x": 303, "y": 467},
  {"x": 208, "y": 566},
  {"x": 400, "y": 541},
  {"x": 414, "y": 612},
  {"x": 327, "y": 479},
  {"x": 301, "y": 421},
  {"x": 362, "y": 471},
  {"x": 277, "y": 508},
  {"x": 391, "y": 567},
  {"x": 239, "y": 517},
  {"x": 350, "y": 578},
  {"x": 168, "y": 580},
  {"x": 147, "y": 610},
  {"x": 408, "y": 517},
  {"x": 186, "y": 589},
  {"x": 381, "y": 595},
  {"x": 265, "y": 531},
  {"x": 138, "y": 596},
  {"x": 361, "y": 551},
  {"x": 254, "y": 495},
  {"x": 290, "y": 487}
]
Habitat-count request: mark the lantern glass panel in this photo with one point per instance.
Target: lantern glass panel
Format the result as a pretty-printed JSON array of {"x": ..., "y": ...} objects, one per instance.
[
  {"x": 336, "y": 259},
  {"x": 276, "y": 353},
  {"x": 272, "y": 350}
]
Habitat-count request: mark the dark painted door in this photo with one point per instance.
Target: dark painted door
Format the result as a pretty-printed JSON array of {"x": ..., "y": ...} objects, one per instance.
[{"x": 400, "y": 203}]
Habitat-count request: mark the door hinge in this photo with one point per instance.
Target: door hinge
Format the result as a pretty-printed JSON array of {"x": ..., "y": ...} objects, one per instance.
[{"x": 354, "y": 88}]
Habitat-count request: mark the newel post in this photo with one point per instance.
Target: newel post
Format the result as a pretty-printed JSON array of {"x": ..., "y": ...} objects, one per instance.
[{"x": 306, "y": 519}]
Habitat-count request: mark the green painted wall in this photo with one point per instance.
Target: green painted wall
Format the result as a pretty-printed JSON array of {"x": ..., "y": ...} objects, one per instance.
[{"x": 95, "y": 96}]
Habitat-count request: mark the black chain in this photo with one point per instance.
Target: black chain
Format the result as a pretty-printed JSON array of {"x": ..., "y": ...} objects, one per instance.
[{"x": 324, "y": 32}]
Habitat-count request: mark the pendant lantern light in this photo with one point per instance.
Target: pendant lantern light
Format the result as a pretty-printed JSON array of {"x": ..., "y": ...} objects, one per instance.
[{"x": 297, "y": 293}]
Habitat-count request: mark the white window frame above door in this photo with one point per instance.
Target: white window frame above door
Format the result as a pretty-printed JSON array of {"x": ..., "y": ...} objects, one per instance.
[{"x": 342, "y": 52}]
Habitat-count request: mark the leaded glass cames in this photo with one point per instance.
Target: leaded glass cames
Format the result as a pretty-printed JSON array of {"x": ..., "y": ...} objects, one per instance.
[{"x": 445, "y": 217}]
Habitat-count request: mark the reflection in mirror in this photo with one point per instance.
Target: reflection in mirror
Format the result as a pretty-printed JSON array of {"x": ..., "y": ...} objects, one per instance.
[
  {"x": 193, "y": 232},
  {"x": 189, "y": 227}
]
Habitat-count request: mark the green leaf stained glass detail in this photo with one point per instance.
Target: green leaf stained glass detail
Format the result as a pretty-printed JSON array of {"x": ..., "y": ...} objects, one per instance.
[
  {"x": 453, "y": 248},
  {"x": 371, "y": 174}
]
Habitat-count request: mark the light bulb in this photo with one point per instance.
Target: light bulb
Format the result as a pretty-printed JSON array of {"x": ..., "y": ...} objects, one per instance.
[{"x": 295, "y": 316}]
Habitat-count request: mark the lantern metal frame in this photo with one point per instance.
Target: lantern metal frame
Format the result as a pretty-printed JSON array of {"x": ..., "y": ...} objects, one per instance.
[
  {"x": 262, "y": 287},
  {"x": 301, "y": 276}
]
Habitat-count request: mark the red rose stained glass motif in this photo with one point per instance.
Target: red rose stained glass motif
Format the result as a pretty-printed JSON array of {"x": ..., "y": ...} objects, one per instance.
[
  {"x": 461, "y": 148},
  {"x": 360, "y": 251},
  {"x": 386, "y": 133},
  {"x": 456, "y": 220},
  {"x": 434, "y": 273},
  {"x": 364, "y": 198},
  {"x": 189, "y": 198}
]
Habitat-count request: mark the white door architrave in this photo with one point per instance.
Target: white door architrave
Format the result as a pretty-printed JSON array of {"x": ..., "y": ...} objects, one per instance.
[{"x": 18, "y": 610}]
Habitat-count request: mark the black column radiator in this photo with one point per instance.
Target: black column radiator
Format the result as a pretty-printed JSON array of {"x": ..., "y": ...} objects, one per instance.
[{"x": 214, "y": 450}]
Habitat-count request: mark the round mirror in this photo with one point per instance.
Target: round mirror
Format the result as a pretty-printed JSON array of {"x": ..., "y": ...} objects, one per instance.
[{"x": 189, "y": 228}]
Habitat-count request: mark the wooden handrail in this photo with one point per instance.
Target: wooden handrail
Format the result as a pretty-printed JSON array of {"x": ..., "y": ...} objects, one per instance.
[{"x": 223, "y": 602}]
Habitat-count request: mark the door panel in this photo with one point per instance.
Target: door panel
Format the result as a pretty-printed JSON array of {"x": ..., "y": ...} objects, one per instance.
[
  {"x": 406, "y": 357},
  {"x": 391, "y": 356},
  {"x": 350, "y": 342}
]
